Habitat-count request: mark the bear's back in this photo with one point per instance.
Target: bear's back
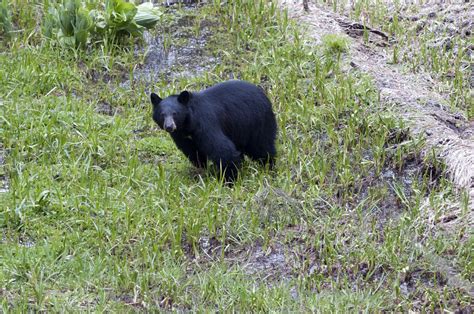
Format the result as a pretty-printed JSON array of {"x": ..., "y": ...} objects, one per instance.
[{"x": 240, "y": 108}]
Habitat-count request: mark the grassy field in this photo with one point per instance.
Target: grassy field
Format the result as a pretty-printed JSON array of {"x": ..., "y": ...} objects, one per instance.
[{"x": 101, "y": 211}]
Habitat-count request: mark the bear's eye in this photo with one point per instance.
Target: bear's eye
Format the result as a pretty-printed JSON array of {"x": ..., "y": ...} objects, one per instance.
[{"x": 174, "y": 114}]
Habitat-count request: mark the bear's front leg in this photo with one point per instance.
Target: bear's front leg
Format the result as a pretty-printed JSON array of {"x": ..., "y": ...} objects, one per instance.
[
  {"x": 189, "y": 148},
  {"x": 222, "y": 151}
]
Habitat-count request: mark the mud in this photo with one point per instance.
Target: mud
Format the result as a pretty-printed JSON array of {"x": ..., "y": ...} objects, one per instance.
[
  {"x": 394, "y": 180},
  {"x": 272, "y": 263},
  {"x": 178, "y": 49},
  {"x": 107, "y": 109}
]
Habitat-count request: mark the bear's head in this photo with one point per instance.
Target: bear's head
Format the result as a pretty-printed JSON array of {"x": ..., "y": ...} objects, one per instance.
[{"x": 172, "y": 112}]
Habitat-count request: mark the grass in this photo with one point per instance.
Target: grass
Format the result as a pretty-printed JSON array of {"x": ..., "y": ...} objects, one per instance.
[
  {"x": 104, "y": 214},
  {"x": 335, "y": 43}
]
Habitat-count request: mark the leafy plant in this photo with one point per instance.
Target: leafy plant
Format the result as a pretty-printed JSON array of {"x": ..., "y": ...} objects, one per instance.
[
  {"x": 50, "y": 23},
  {"x": 124, "y": 18},
  {"x": 119, "y": 17},
  {"x": 67, "y": 16},
  {"x": 72, "y": 23},
  {"x": 147, "y": 16},
  {"x": 81, "y": 27}
]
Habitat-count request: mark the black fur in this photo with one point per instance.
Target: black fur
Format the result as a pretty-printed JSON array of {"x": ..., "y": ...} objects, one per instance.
[{"x": 221, "y": 124}]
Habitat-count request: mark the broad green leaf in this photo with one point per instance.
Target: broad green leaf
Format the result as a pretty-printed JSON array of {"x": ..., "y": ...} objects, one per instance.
[{"x": 147, "y": 16}]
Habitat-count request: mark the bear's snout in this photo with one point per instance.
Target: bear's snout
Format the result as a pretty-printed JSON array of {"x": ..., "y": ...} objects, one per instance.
[{"x": 169, "y": 125}]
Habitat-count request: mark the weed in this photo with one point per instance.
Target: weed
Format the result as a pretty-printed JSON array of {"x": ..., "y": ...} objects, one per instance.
[{"x": 335, "y": 43}]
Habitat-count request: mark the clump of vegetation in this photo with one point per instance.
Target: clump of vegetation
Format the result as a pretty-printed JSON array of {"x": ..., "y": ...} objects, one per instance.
[
  {"x": 72, "y": 24},
  {"x": 335, "y": 43}
]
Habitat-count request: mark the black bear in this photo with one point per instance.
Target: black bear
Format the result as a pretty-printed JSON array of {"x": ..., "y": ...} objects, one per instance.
[{"x": 220, "y": 123}]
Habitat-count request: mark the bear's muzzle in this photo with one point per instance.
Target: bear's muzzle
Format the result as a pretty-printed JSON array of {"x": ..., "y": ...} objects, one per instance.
[{"x": 169, "y": 125}]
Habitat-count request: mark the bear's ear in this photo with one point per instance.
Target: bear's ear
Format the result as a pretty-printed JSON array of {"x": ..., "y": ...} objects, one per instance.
[
  {"x": 155, "y": 99},
  {"x": 184, "y": 97}
]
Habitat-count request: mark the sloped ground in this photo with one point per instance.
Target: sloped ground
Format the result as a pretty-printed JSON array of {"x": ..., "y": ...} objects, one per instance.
[{"x": 412, "y": 95}]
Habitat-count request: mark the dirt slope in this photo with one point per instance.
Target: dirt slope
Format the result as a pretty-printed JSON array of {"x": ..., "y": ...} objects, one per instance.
[{"x": 414, "y": 96}]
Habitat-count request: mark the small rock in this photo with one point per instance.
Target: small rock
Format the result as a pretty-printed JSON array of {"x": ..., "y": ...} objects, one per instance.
[
  {"x": 451, "y": 29},
  {"x": 404, "y": 288},
  {"x": 448, "y": 44},
  {"x": 294, "y": 293},
  {"x": 420, "y": 25},
  {"x": 448, "y": 19}
]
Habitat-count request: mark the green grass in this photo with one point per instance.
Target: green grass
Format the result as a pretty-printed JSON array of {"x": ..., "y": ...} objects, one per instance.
[
  {"x": 335, "y": 43},
  {"x": 103, "y": 213}
]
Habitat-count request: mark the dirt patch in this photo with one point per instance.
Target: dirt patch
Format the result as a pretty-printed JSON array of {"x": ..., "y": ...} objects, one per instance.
[
  {"x": 272, "y": 263},
  {"x": 412, "y": 95},
  {"x": 107, "y": 109},
  {"x": 286, "y": 258}
]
